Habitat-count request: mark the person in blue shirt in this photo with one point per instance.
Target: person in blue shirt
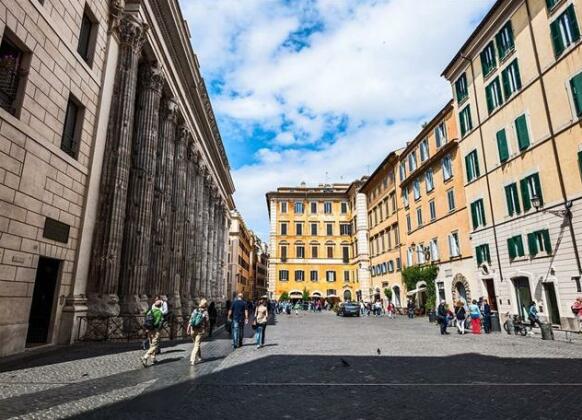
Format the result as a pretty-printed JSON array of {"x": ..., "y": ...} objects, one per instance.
[
  {"x": 532, "y": 314},
  {"x": 238, "y": 315}
]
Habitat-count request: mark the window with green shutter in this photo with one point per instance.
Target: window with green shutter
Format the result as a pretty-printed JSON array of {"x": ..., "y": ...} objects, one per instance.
[
  {"x": 465, "y": 120},
  {"x": 461, "y": 88},
  {"x": 502, "y": 145},
  {"x": 576, "y": 88},
  {"x": 482, "y": 254},
  {"x": 539, "y": 241},
  {"x": 512, "y": 198},
  {"x": 488, "y": 60},
  {"x": 580, "y": 162},
  {"x": 493, "y": 95},
  {"x": 504, "y": 40},
  {"x": 522, "y": 132},
  {"x": 531, "y": 187},
  {"x": 472, "y": 166},
  {"x": 515, "y": 247},
  {"x": 478, "y": 213},
  {"x": 564, "y": 31},
  {"x": 511, "y": 79},
  {"x": 551, "y": 3}
]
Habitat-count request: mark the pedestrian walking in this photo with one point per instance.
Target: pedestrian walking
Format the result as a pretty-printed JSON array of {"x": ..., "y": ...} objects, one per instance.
[
  {"x": 212, "y": 315},
  {"x": 577, "y": 310},
  {"x": 261, "y": 318},
  {"x": 475, "y": 314},
  {"x": 532, "y": 314},
  {"x": 199, "y": 323},
  {"x": 152, "y": 324},
  {"x": 410, "y": 309},
  {"x": 442, "y": 317},
  {"x": 390, "y": 310},
  {"x": 238, "y": 316},
  {"x": 460, "y": 315},
  {"x": 486, "y": 311}
]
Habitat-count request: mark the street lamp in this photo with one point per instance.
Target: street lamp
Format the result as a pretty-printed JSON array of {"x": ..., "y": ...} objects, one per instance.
[{"x": 536, "y": 202}]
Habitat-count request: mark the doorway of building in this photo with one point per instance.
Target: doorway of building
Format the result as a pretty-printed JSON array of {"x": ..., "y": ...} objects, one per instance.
[
  {"x": 492, "y": 297},
  {"x": 43, "y": 299},
  {"x": 522, "y": 294},
  {"x": 552, "y": 302}
]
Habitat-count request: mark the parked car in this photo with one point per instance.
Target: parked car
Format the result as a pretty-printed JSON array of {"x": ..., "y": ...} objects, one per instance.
[{"x": 349, "y": 309}]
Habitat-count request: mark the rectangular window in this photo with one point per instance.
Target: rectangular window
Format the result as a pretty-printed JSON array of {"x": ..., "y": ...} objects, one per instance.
[
  {"x": 402, "y": 171},
  {"x": 314, "y": 251},
  {"x": 405, "y": 196},
  {"x": 72, "y": 128},
  {"x": 408, "y": 223},
  {"x": 429, "y": 180},
  {"x": 576, "y": 88},
  {"x": 330, "y": 276},
  {"x": 329, "y": 229},
  {"x": 531, "y": 187},
  {"x": 314, "y": 276},
  {"x": 493, "y": 95},
  {"x": 416, "y": 189},
  {"x": 419, "y": 217},
  {"x": 283, "y": 275},
  {"x": 432, "y": 210},
  {"x": 511, "y": 79},
  {"x": 488, "y": 60},
  {"x": 313, "y": 206},
  {"x": 451, "y": 199},
  {"x": 512, "y": 198},
  {"x": 440, "y": 133},
  {"x": 454, "y": 248},
  {"x": 482, "y": 254},
  {"x": 300, "y": 251},
  {"x": 298, "y": 207},
  {"x": 461, "y": 90},
  {"x": 299, "y": 275},
  {"x": 478, "y": 213},
  {"x": 314, "y": 229},
  {"x": 283, "y": 206},
  {"x": 434, "y": 250},
  {"x": 424, "y": 150},
  {"x": 420, "y": 254},
  {"x": 12, "y": 75},
  {"x": 551, "y": 3},
  {"x": 504, "y": 41},
  {"x": 515, "y": 247},
  {"x": 283, "y": 229},
  {"x": 329, "y": 251},
  {"x": 283, "y": 253},
  {"x": 539, "y": 241},
  {"x": 447, "y": 166},
  {"x": 522, "y": 132},
  {"x": 346, "y": 254},
  {"x": 409, "y": 257},
  {"x": 465, "y": 120},
  {"x": 412, "y": 162},
  {"x": 472, "y": 166},
  {"x": 345, "y": 229},
  {"x": 327, "y": 207},
  {"x": 502, "y": 147},
  {"x": 564, "y": 31},
  {"x": 85, "y": 48},
  {"x": 298, "y": 229},
  {"x": 344, "y": 207}
]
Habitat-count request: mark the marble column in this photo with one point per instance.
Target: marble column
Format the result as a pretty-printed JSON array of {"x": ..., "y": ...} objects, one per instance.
[
  {"x": 178, "y": 218},
  {"x": 189, "y": 231},
  {"x": 199, "y": 233},
  {"x": 213, "y": 248},
  {"x": 205, "y": 231},
  {"x": 138, "y": 220},
  {"x": 110, "y": 222},
  {"x": 162, "y": 197}
]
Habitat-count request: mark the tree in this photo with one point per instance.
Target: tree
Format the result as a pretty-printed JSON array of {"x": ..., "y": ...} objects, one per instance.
[
  {"x": 305, "y": 296},
  {"x": 428, "y": 273},
  {"x": 388, "y": 294},
  {"x": 284, "y": 296}
]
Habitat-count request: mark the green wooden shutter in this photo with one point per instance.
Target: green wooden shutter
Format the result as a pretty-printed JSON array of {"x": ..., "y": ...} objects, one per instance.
[
  {"x": 576, "y": 87},
  {"x": 538, "y": 187},
  {"x": 511, "y": 248},
  {"x": 532, "y": 243},
  {"x": 474, "y": 215},
  {"x": 580, "y": 162},
  {"x": 487, "y": 255},
  {"x": 505, "y": 81},
  {"x": 557, "y": 38},
  {"x": 522, "y": 133},
  {"x": 525, "y": 194},
  {"x": 547, "y": 241},
  {"x": 478, "y": 255},
  {"x": 550, "y": 3},
  {"x": 502, "y": 146},
  {"x": 519, "y": 242},
  {"x": 468, "y": 167},
  {"x": 477, "y": 171},
  {"x": 462, "y": 122},
  {"x": 482, "y": 212},
  {"x": 517, "y": 74},
  {"x": 500, "y": 47},
  {"x": 516, "y": 195},
  {"x": 489, "y": 97},
  {"x": 508, "y": 198},
  {"x": 573, "y": 23},
  {"x": 484, "y": 65}
]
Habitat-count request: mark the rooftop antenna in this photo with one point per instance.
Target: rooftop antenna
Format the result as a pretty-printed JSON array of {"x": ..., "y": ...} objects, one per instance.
[{"x": 326, "y": 180}]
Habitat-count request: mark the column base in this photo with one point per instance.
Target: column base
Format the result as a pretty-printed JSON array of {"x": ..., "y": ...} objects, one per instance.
[
  {"x": 134, "y": 305},
  {"x": 103, "y": 305},
  {"x": 73, "y": 323}
]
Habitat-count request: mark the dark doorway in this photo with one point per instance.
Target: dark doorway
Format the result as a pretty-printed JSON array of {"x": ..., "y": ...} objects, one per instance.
[
  {"x": 523, "y": 295},
  {"x": 41, "y": 309},
  {"x": 552, "y": 301},
  {"x": 492, "y": 298}
]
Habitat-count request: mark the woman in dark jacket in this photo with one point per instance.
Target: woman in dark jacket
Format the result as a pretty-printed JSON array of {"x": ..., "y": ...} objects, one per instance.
[
  {"x": 460, "y": 314},
  {"x": 212, "y": 314}
]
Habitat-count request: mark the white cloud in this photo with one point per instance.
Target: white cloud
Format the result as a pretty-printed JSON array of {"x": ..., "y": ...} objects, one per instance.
[{"x": 368, "y": 61}]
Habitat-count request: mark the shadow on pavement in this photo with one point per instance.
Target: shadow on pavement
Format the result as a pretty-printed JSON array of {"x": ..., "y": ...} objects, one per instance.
[{"x": 378, "y": 387}]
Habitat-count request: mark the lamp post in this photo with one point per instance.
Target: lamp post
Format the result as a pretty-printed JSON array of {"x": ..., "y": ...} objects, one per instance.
[{"x": 536, "y": 202}]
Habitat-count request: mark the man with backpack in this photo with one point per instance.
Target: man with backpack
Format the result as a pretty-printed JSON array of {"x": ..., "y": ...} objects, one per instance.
[
  {"x": 152, "y": 324},
  {"x": 197, "y": 328}
]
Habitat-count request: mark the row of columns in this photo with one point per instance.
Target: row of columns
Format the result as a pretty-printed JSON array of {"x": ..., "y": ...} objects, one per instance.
[{"x": 161, "y": 225}]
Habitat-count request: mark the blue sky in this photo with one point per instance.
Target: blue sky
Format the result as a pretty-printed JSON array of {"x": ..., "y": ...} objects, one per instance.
[{"x": 316, "y": 90}]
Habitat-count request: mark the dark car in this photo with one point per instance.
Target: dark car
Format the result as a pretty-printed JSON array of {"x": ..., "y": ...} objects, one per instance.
[{"x": 349, "y": 309}]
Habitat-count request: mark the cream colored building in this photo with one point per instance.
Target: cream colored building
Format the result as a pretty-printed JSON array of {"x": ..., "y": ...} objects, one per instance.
[
  {"x": 517, "y": 83},
  {"x": 240, "y": 278}
]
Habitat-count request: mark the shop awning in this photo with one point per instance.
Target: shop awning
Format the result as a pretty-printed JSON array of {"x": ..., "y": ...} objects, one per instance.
[{"x": 415, "y": 291}]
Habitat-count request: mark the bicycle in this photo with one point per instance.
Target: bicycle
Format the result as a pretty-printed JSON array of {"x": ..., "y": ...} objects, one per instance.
[{"x": 516, "y": 324}]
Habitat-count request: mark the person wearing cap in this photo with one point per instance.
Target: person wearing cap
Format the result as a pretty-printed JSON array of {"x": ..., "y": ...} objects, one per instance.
[
  {"x": 154, "y": 332},
  {"x": 198, "y": 332}
]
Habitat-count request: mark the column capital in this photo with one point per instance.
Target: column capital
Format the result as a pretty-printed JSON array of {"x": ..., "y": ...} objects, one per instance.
[
  {"x": 151, "y": 77},
  {"x": 169, "y": 109},
  {"x": 131, "y": 31},
  {"x": 182, "y": 133},
  {"x": 192, "y": 150}
]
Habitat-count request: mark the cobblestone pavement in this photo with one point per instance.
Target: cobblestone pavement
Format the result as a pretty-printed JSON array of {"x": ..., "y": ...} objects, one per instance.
[{"x": 312, "y": 365}]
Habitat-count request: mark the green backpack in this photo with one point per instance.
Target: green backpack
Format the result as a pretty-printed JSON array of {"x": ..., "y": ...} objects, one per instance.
[{"x": 197, "y": 318}]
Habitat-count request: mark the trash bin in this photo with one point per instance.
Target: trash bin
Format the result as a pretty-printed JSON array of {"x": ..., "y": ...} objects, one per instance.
[
  {"x": 495, "y": 323},
  {"x": 547, "y": 332}
]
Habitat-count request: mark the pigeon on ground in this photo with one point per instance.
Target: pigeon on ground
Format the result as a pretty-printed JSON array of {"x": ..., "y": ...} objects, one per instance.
[
  {"x": 378, "y": 351},
  {"x": 344, "y": 363}
]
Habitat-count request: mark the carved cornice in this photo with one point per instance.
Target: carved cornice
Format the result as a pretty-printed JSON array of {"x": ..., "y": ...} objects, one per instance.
[{"x": 151, "y": 77}]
